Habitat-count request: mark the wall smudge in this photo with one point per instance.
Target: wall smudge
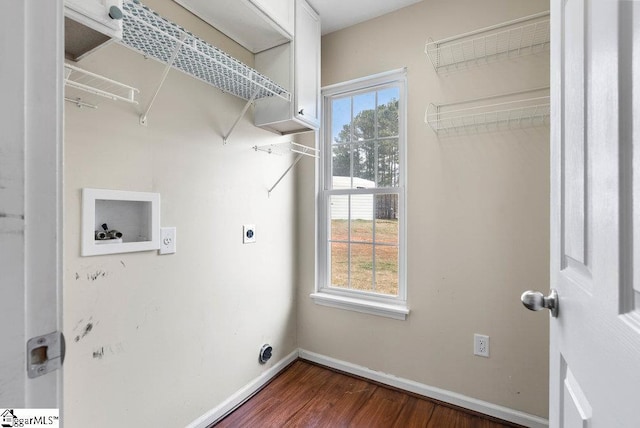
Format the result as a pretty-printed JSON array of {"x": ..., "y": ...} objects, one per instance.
[
  {"x": 93, "y": 272},
  {"x": 15, "y": 216},
  {"x": 108, "y": 350},
  {"x": 86, "y": 329},
  {"x": 96, "y": 275},
  {"x": 99, "y": 353}
]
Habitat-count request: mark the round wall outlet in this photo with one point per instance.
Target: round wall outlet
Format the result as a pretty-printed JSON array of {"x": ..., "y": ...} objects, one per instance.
[{"x": 249, "y": 233}]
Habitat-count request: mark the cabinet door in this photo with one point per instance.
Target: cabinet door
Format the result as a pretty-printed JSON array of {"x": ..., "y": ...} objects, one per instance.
[
  {"x": 280, "y": 11},
  {"x": 307, "y": 64}
]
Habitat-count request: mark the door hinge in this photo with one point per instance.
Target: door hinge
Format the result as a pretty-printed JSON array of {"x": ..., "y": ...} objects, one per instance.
[{"x": 45, "y": 354}]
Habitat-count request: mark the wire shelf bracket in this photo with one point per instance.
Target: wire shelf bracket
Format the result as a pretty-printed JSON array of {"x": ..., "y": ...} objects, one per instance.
[
  {"x": 165, "y": 73},
  {"x": 146, "y": 32},
  {"x": 287, "y": 148},
  {"x": 95, "y": 84},
  {"x": 244, "y": 110},
  {"x": 522, "y": 36},
  {"x": 479, "y": 115}
]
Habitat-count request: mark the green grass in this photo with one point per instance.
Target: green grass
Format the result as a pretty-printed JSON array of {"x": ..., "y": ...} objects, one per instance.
[{"x": 362, "y": 255}]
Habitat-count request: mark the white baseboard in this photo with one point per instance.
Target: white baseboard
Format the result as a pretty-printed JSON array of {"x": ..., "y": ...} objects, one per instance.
[
  {"x": 460, "y": 400},
  {"x": 456, "y": 399},
  {"x": 243, "y": 394}
]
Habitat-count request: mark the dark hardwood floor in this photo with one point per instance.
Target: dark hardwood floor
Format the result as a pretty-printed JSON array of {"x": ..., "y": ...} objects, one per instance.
[{"x": 308, "y": 395}]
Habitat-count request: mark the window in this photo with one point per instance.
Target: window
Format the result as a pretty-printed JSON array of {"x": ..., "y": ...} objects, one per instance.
[{"x": 362, "y": 196}]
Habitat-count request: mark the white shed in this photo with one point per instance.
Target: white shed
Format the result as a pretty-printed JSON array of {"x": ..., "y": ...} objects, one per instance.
[{"x": 361, "y": 205}]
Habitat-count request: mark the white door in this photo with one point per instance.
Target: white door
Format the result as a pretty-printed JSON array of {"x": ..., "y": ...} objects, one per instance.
[
  {"x": 595, "y": 218},
  {"x": 31, "y": 53}
]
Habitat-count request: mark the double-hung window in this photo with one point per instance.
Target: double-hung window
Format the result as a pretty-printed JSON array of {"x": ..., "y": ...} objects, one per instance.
[{"x": 362, "y": 196}]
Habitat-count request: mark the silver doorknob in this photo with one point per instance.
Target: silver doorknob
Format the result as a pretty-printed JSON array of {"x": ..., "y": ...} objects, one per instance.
[{"x": 535, "y": 301}]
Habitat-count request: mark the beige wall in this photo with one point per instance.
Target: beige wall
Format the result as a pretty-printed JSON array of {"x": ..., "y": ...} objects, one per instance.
[
  {"x": 478, "y": 222},
  {"x": 180, "y": 333}
]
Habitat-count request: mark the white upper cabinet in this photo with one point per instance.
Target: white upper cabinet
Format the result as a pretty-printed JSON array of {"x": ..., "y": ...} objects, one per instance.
[
  {"x": 307, "y": 64},
  {"x": 89, "y": 24},
  {"x": 296, "y": 67},
  {"x": 255, "y": 24},
  {"x": 104, "y": 16},
  {"x": 280, "y": 11},
  {"x": 284, "y": 35}
]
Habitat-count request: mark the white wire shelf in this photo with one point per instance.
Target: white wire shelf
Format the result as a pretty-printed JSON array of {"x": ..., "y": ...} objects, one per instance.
[
  {"x": 511, "y": 110},
  {"x": 523, "y": 36},
  {"x": 145, "y": 31},
  {"x": 287, "y": 148},
  {"x": 95, "y": 84}
]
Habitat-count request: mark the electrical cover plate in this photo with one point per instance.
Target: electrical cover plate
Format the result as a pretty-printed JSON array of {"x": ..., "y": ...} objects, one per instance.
[
  {"x": 167, "y": 240},
  {"x": 481, "y": 345}
]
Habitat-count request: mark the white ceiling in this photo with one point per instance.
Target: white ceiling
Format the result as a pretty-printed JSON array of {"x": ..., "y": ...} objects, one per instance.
[{"x": 338, "y": 14}]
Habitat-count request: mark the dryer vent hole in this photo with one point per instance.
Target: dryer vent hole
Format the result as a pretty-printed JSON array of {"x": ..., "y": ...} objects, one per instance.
[{"x": 265, "y": 353}]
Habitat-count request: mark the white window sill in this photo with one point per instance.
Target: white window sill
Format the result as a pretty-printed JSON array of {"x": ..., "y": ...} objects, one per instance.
[{"x": 395, "y": 311}]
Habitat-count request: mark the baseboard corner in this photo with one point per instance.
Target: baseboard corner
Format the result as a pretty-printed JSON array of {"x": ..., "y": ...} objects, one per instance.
[{"x": 243, "y": 394}]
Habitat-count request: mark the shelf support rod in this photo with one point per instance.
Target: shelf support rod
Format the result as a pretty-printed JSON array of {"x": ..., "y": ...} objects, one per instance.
[
  {"x": 286, "y": 172},
  {"x": 143, "y": 116},
  {"x": 79, "y": 103},
  {"x": 244, "y": 110}
]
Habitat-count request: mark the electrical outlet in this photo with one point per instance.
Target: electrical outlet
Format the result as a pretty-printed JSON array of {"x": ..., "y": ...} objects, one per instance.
[
  {"x": 249, "y": 234},
  {"x": 167, "y": 240},
  {"x": 481, "y": 345}
]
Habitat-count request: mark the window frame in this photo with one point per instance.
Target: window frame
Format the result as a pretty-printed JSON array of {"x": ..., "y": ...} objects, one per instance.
[{"x": 359, "y": 300}]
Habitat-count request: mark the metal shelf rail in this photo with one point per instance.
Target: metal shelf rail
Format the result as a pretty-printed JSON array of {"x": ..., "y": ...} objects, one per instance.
[
  {"x": 144, "y": 31},
  {"x": 95, "y": 84},
  {"x": 287, "y": 148},
  {"x": 511, "y": 110},
  {"x": 522, "y": 36}
]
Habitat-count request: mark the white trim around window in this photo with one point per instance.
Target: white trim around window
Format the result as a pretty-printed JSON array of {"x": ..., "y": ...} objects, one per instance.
[{"x": 347, "y": 296}]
